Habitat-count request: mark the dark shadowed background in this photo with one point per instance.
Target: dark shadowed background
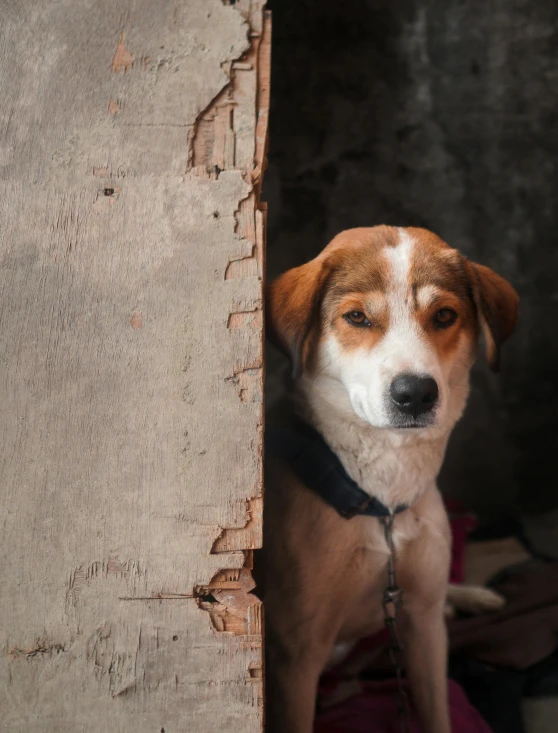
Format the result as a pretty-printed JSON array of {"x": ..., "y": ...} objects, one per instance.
[{"x": 438, "y": 114}]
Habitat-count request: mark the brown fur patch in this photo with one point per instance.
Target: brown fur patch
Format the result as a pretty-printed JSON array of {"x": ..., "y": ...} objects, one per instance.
[
  {"x": 351, "y": 262},
  {"x": 293, "y": 304},
  {"x": 498, "y": 307},
  {"x": 446, "y": 340},
  {"x": 374, "y": 307},
  {"x": 494, "y": 302},
  {"x": 436, "y": 265},
  {"x": 358, "y": 284}
]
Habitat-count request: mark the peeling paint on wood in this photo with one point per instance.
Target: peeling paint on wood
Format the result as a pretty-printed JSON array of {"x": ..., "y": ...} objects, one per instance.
[
  {"x": 123, "y": 59},
  {"x": 247, "y": 535},
  {"x": 131, "y": 296},
  {"x": 246, "y": 319},
  {"x": 114, "y": 107},
  {"x": 230, "y": 604},
  {"x": 136, "y": 321}
]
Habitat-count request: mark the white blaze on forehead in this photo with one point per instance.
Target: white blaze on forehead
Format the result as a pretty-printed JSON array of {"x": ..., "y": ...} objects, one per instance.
[
  {"x": 400, "y": 259},
  {"x": 405, "y": 347}
]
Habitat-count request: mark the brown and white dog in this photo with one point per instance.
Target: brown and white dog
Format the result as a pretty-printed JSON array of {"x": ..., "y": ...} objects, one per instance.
[{"x": 382, "y": 330}]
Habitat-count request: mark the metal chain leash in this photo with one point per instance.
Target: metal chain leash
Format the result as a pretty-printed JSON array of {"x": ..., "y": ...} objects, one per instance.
[{"x": 391, "y": 603}]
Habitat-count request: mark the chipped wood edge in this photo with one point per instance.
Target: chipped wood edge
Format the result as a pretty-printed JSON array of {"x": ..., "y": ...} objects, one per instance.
[{"x": 227, "y": 596}]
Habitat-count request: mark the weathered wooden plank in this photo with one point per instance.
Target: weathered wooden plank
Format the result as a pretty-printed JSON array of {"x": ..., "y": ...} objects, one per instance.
[{"x": 131, "y": 351}]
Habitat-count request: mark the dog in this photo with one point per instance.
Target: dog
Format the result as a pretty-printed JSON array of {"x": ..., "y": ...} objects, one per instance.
[{"x": 381, "y": 329}]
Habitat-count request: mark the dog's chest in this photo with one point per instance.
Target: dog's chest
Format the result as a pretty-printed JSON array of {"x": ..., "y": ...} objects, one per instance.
[
  {"x": 394, "y": 470},
  {"x": 365, "y": 615}
]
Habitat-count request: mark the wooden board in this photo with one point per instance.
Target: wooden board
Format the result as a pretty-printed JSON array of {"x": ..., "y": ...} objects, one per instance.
[{"x": 132, "y": 143}]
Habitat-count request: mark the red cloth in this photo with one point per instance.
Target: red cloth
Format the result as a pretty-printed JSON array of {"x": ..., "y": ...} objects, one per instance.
[
  {"x": 525, "y": 630},
  {"x": 375, "y": 711},
  {"x": 461, "y": 523}
]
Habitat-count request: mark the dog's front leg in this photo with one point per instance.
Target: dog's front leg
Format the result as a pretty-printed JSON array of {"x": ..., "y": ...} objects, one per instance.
[
  {"x": 300, "y": 632},
  {"x": 424, "y": 639},
  {"x": 291, "y": 687}
]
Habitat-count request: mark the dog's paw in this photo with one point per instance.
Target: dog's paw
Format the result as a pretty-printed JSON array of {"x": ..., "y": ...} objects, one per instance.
[{"x": 473, "y": 599}]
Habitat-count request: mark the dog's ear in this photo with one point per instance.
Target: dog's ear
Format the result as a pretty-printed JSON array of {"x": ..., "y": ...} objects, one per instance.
[
  {"x": 497, "y": 306},
  {"x": 293, "y": 303}
]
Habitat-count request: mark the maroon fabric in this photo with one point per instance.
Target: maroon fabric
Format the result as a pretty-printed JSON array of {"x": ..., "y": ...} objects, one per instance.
[
  {"x": 462, "y": 523},
  {"x": 525, "y": 630},
  {"x": 375, "y": 711}
]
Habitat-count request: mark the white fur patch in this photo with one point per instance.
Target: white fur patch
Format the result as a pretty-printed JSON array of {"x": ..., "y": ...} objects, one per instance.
[{"x": 427, "y": 295}]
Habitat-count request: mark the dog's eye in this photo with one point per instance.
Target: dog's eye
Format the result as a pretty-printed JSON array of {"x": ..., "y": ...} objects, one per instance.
[
  {"x": 357, "y": 318},
  {"x": 445, "y": 317}
]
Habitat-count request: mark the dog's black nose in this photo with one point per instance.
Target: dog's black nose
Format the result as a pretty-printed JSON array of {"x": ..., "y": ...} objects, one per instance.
[{"x": 414, "y": 395}]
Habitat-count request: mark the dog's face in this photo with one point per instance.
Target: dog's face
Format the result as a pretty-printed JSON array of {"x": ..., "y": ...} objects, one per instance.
[{"x": 392, "y": 315}]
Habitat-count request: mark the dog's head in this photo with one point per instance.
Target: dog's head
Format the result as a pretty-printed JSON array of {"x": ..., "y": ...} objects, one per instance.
[{"x": 393, "y": 315}]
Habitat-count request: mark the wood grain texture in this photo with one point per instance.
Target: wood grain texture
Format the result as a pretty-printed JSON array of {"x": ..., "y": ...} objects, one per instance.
[{"x": 131, "y": 364}]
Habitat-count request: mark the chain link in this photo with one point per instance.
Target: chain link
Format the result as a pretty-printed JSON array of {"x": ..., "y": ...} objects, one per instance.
[{"x": 391, "y": 603}]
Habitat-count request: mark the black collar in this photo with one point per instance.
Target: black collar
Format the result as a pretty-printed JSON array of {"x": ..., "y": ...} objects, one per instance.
[{"x": 313, "y": 461}]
